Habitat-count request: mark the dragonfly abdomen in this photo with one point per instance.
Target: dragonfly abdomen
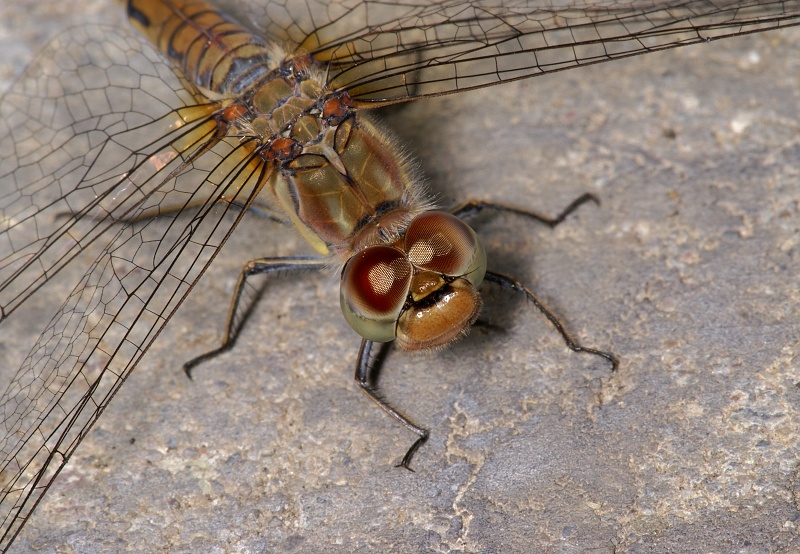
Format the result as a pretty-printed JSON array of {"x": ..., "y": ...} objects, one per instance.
[{"x": 218, "y": 55}]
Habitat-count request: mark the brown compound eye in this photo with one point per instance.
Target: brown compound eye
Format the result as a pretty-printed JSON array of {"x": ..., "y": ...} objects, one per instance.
[
  {"x": 449, "y": 264},
  {"x": 440, "y": 242},
  {"x": 373, "y": 290}
]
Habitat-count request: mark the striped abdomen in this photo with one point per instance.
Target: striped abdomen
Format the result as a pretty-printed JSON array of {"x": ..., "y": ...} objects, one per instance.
[{"x": 218, "y": 55}]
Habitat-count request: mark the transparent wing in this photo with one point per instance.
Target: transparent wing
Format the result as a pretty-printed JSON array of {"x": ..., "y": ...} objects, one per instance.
[
  {"x": 84, "y": 161},
  {"x": 91, "y": 119},
  {"x": 383, "y": 52}
]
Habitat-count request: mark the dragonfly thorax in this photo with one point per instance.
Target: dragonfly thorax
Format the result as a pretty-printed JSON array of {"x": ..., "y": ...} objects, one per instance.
[{"x": 410, "y": 274}]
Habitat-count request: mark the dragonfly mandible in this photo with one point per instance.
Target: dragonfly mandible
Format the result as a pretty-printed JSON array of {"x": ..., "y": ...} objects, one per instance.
[{"x": 111, "y": 190}]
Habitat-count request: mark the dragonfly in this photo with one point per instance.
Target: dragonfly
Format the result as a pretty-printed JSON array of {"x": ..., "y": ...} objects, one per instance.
[{"x": 157, "y": 182}]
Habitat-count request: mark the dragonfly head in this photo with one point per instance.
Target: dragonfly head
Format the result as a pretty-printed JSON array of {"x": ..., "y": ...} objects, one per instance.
[{"x": 422, "y": 289}]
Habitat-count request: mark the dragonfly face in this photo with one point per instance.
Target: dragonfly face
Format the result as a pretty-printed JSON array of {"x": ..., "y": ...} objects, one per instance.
[
  {"x": 422, "y": 290},
  {"x": 555, "y": 290}
]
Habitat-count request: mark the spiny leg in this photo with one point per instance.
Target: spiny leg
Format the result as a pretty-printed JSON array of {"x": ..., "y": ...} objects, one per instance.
[
  {"x": 510, "y": 284},
  {"x": 255, "y": 207},
  {"x": 275, "y": 265},
  {"x": 473, "y": 207},
  {"x": 261, "y": 210},
  {"x": 261, "y": 266},
  {"x": 363, "y": 369}
]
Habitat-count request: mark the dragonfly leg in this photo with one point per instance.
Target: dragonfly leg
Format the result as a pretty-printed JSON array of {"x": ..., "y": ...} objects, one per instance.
[
  {"x": 510, "y": 284},
  {"x": 260, "y": 209},
  {"x": 472, "y": 207},
  {"x": 235, "y": 320},
  {"x": 363, "y": 370}
]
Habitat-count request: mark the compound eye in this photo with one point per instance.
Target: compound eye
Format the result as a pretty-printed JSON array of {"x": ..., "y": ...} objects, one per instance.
[
  {"x": 440, "y": 242},
  {"x": 373, "y": 290}
]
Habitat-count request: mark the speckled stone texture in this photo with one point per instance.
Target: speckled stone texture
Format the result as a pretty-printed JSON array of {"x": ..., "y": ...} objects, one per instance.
[{"x": 688, "y": 271}]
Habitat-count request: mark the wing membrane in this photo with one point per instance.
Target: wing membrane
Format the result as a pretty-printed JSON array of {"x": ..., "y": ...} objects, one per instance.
[
  {"x": 463, "y": 48},
  {"x": 83, "y": 141},
  {"x": 83, "y": 169},
  {"x": 385, "y": 52},
  {"x": 108, "y": 322}
]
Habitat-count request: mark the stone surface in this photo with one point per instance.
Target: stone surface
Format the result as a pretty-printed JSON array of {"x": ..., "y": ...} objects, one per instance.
[{"x": 688, "y": 272}]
